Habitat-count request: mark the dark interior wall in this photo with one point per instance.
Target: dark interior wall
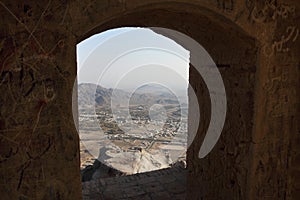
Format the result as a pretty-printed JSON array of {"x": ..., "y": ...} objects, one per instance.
[
  {"x": 39, "y": 149},
  {"x": 228, "y": 163},
  {"x": 257, "y": 156},
  {"x": 223, "y": 174}
]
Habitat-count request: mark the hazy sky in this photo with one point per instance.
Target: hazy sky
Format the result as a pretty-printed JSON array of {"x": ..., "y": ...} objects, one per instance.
[{"x": 131, "y": 57}]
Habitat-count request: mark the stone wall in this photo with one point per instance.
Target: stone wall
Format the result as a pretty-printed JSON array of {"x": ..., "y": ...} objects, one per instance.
[{"x": 255, "y": 43}]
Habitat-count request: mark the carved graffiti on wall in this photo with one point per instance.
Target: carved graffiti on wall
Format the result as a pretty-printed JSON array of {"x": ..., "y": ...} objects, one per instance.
[
  {"x": 292, "y": 34},
  {"x": 278, "y": 84},
  {"x": 272, "y": 11},
  {"x": 225, "y": 5},
  {"x": 269, "y": 11},
  {"x": 281, "y": 45}
]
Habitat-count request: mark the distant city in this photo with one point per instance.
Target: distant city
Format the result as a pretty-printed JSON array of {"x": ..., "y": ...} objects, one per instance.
[{"x": 149, "y": 134}]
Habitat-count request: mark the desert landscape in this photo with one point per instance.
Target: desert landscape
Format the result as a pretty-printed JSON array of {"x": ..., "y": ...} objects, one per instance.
[{"x": 147, "y": 135}]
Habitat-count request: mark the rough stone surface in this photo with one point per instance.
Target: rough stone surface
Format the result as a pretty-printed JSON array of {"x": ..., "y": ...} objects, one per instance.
[
  {"x": 161, "y": 184},
  {"x": 255, "y": 43}
]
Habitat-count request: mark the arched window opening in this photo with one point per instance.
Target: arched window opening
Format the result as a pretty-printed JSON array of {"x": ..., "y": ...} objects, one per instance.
[{"x": 132, "y": 103}]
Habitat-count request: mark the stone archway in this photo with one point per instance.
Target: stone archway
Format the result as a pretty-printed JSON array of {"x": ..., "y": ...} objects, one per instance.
[
  {"x": 258, "y": 56},
  {"x": 235, "y": 54}
]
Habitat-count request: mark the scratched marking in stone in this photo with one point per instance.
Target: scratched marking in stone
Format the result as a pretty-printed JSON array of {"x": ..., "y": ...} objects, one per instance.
[
  {"x": 225, "y": 5},
  {"x": 38, "y": 22},
  {"x": 18, "y": 51},
  {"x": 270, "y": 11},
  {"x": 291, "y": 35},
  {"x": 64, "y": 15},
  {"x": 23, "y": 24}
]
